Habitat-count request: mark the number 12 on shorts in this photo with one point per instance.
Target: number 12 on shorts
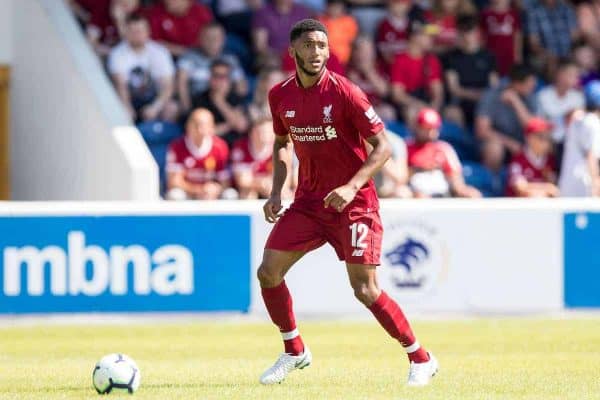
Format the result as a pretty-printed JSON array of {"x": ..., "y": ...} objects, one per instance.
[{"x": 359, "y": 235}]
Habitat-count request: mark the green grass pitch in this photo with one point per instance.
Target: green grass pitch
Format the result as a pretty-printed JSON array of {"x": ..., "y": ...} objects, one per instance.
[{"x": 519, "y": 358}]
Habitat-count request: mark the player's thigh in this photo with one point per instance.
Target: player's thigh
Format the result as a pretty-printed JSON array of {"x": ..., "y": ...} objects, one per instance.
[
  {"x": 276, "y": 263},
  {"x": 357, "y": 238},
  {"x": 296, "y": 231}
]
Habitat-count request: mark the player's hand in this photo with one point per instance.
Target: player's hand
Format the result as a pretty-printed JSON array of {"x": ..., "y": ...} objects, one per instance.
[
  {"x": 272, "y": 208},
  {"x": 340, "y": 197}
]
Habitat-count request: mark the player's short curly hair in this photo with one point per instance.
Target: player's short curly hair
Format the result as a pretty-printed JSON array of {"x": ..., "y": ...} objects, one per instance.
[{"x": 306, "y": 25}]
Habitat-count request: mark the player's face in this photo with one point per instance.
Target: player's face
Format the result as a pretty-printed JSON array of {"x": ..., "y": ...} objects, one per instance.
[
  {"x": 311, "y": 52},
  {"x": 200, "y": 124}
]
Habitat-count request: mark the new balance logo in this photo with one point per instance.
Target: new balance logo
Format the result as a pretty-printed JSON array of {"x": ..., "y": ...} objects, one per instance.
[
  {"x": 290, "y": 114},
  {"x": 358, "y": 253}
]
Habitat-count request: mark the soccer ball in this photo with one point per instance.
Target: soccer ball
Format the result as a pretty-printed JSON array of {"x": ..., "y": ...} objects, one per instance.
[{"x": 116, "y": 373}]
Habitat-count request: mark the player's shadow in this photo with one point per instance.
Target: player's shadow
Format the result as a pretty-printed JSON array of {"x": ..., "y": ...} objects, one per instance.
[{"x": 196, "y": 385}]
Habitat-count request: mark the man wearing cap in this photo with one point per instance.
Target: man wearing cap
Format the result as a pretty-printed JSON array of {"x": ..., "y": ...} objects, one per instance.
[
  {"x": 580, "y": 174},
  {"x": 434, "y": 167},
  {"x": 532, "y": 172}
]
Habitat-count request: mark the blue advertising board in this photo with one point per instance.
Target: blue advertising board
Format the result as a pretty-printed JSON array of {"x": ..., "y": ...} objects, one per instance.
[
  {"x": 124, "y": 263},
  {"x": 581, "y": 263}
]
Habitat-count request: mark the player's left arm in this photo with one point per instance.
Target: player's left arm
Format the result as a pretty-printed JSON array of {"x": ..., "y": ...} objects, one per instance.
[{"x": 340, "y": 197}]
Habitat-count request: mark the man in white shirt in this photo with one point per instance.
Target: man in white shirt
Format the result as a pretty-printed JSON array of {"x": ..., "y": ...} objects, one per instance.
[
  {"x": 143, "y": 73},
  {"x": 580, "y": 176},
  {"x": 557, "y": 100}
]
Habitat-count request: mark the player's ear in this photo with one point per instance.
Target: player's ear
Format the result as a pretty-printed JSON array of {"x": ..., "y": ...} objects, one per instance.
[{"x": 291, "y": 52}]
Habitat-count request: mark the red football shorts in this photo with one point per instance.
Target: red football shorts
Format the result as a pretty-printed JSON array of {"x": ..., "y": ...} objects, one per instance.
[{"x": 355, "y": 235}]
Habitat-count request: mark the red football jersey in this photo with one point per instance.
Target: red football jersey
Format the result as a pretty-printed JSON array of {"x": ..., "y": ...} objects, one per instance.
[
  {"x": 243, "y": 157},
  {"x": 181, "y": 30},
  {"x": 200, "y": 165},
  {"x": 416, "y": 73},
  {"x": 392, "y": 36},
  {"x": 328, "y": 123},
  {"x": 499, "y": 30},
  {"x": 430, "y": 156},
  {"x": 448, "y": 34},
  {"x": 526, "y": 166}
]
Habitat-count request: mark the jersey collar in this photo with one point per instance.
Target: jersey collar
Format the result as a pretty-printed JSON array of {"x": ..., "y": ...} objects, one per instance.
[{"x": 320, "y": 82}]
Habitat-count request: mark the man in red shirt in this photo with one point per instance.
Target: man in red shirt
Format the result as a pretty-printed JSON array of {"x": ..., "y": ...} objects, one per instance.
[
  {"x": 197, "y": 163},
  {"x": 328, "y": 119},
  {"x": 532, "y": 172},
  {"x": 434, "y": 167},
  {"x": 176, "y": 23},
  {"x": 501, "y": 27}
]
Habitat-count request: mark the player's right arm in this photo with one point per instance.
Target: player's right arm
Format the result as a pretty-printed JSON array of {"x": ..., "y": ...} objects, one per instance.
[{"x": 282, "y": 165}]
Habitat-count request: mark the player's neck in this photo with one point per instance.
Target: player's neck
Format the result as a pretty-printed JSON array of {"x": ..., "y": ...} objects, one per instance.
[{"x": 307, "y": 81}]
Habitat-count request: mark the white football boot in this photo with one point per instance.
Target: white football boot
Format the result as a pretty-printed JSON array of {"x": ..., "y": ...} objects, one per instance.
[
  {"x": 285, "y": 364},
  {"x": 420, "y": 374}
]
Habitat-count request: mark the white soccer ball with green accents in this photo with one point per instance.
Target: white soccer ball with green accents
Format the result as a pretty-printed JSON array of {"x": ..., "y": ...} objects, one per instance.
[{"x": 116, "y": 373}]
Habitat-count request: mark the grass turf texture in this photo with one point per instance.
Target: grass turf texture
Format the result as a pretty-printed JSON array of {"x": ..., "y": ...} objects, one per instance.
[{"x": 480, "y": 359}]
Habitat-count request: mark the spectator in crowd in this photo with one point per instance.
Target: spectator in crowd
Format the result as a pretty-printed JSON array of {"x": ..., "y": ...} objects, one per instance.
[
  {"x": 84, "y": 9},
  {"x": 197, "y": 164},
  {"x": 504, "y": 109},
  {"x": 503, "y": 34},
  {"x": 586, "y": 59},
  {"x": 176, "y": 23},
  {"x": 469, "y": 69},
  {"x": 258, "y": 108},
  {"x": 223, "y": 103},
  {"x": 555, "y": 101},
  {"x": 194, "y": 66},
  {"x": 236, "y": 16},
  {"x": 341, "y": 29},
  {"x": 271, "y": 26},
  {"x": 588, "y": 18},
  {"x": 434, "y": 167},
  {"x": 580, "y": 175},
  {"x": 252, "y": 162},
  {"x": 391, "y": 37},
  {"x": 443, "y": 15},
  {"x": 143, "y": 73},
  {"x": 364, "y": 71},
  {"x": 416, "y": 74},
  {"x": 392, "y": 181},
  {"x": 551, "y": 29},
  {"x": 532, "y": 172}
]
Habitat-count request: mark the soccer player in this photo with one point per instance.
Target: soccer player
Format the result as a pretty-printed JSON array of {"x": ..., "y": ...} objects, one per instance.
[{"x": 328, "y": 119}]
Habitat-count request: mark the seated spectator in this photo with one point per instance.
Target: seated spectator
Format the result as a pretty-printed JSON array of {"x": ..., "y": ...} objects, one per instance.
[
  {"x": 551, "y": 29},
  {"x": 588, "y": 19},
  {"x": 503, "y": 34},
  {"x": 586, "y": 59},
  {"x": 370, "y": 77},
  {"x": 143, "y": 73},
  {"x": 197, "y": 164},
  {"x": 470, "y": 69},
  {"x": 532, "y": 172},
  {"x": 176, "y": 23},
  {"x": 259, "y": 106},
  {"x": 194, "y": 66},
  {"x": 434, "y": 167},
  {"x": 271, "y": 26},
  {"x": 392, "y": 181},
  {"x": 443, "y": 16},
  {"x": 579, "y": 174},
  {"x": 555, "y": 101},
  {"x": 105, "y": 29},
  {"x": 416, "y": 74},
  {"x": 252, "y": 162},
  {"x": 223, "y": 103},
  {"x": 341, "y": 29},
  {"x": 503, "y": 110}
]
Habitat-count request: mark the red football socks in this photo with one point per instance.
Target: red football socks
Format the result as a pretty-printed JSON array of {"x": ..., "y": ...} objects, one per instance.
[
  {"x": 279, "y": 305},
  {"x": 391, "y": 317}
]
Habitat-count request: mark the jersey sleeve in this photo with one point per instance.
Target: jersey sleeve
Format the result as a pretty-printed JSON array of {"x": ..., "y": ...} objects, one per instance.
[
  {"x": 589, "y": 139},
  {"x": 278, "y": 125},
  {"x": 362, "y": 113},
  {"x": 435, "y": 69},
  {"x": 174, "y": 162},
  {"x": 451, "y": 165}
]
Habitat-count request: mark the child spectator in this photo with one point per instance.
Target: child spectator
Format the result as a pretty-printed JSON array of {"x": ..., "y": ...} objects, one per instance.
[
  {"x": 532, "y": 172},
  {"x": 197, "y": 163},
  {"x": 579, "y": 175},
  {"x": 259, "y": 106},
  {"x": 176, "y": 23},
  {"x": 502, "y": 32},
  {"x": 194, "y": 66},
  {"x": 434, "y": 167},
  {"x": 364, "y": 71},
  {"x": 443, "y": 15},
  {"x": 416, "y": 74},
  {"x": 341, "y": 29},
  {"x": 143, "y": 73},
  {"x": 469, "y": 68}
]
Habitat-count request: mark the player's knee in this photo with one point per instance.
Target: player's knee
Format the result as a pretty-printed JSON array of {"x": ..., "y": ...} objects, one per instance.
[
  {"x": 365, "y": 293},
  {"x": 267, "y": 277}
]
